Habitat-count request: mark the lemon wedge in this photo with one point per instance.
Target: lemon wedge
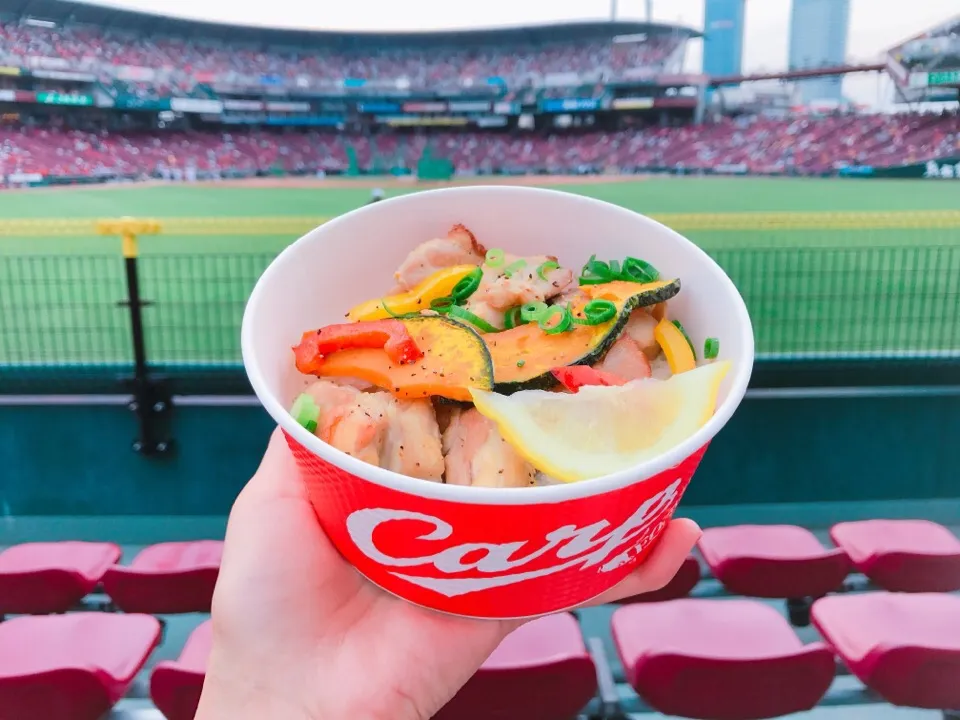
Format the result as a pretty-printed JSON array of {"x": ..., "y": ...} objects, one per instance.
[{"x": 601, "y": 430}]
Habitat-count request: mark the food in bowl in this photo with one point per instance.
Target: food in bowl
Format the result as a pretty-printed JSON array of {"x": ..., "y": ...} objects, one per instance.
[{"x": 486, "y": 369}]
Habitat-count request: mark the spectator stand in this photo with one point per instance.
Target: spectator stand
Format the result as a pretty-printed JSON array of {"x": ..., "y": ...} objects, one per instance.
[{"x": 692, "y": 650}]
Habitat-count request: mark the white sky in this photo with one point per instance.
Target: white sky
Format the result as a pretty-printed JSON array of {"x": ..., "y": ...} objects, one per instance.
[{"x": 875, "y": 25}]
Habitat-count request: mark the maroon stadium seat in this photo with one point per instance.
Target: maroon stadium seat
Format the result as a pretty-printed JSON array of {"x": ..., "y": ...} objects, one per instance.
[
  {"x": 542, "y": 671},
  {"x": 905, "y": 647},
  {"x": 683, "y": 582},
  {"x": 175, "y": 686},
  {"x": 71, "y": 667},
  {"x": 719, "y": 659},
  {"x": 772, "y": 561},
  {"x": 173, "y": 577},
  {"x": 38, "y": 578},
  {"x": 902, "y": 555}
]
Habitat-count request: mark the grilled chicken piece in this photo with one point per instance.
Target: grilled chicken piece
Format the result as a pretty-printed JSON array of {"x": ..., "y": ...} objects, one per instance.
[
  {"x": 398, "y": 435},
  {"x": 476, "y": 454},
  {"x": 640, "y": 329},
  {"x": 459, "y": 247},
  {"x": 412, "y": 444},
  {"x": 498, "y": 293},
  {"x": 626, "y": 360},
  {"x": 352, "y": 421}
]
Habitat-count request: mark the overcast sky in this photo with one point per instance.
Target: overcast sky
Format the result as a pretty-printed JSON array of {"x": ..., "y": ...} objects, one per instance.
[{"x": 874, "y": 24}]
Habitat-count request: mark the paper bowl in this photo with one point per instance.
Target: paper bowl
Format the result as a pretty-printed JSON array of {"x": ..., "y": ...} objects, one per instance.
[{"x": 484, "y": 552}]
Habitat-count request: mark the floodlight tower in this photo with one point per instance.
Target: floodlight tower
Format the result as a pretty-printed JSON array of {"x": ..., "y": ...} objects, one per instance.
[{"x": 648, "y": 4}]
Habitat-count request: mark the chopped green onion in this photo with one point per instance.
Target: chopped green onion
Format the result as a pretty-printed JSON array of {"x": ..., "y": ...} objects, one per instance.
[
  {"x": 467, "y": 286},
  {"x": 512, "y": 319},
  {"x": 494, "y": 258},
  {"x": 547, "y": 267},
  {"x": 521, "y": 363},
  {"x": 532, "y": 312},
  {"x": 393, "y": 314},
  {"x": 687, "y": 337},
  {"x": 595, "y": 272},
  {"x": 442, "y": 305},
  {"x": 306, "y": 412},
  {"x": 461, "y": 314},
  {"x": 711, "y": 348},
  {"x": 513, "y": 267},
  {"x": 552, "y": 328},
  {"x": 597, "y": 312},
  {"x": 639, "y": 271},
  {"x": 632, "y": 269}
]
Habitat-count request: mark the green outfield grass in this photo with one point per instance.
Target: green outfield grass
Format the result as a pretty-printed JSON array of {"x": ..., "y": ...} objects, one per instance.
[{"x": 888, "y": 290}]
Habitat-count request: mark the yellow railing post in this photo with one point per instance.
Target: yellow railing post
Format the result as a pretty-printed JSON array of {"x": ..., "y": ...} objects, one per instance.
[
  {"x": 129, "y": 229},
  {"x": 151, "y": 401}
]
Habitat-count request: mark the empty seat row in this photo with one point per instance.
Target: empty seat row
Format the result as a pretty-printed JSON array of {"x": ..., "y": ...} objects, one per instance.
[
  {"x": 770, "y": 561},
  {"x": 787, "y": 561},
  {"x": 177, "y": 577},
  {"x": 711, "y": 659}
]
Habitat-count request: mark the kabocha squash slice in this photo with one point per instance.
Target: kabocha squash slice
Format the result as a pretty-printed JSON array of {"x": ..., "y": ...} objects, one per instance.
[
  {"x": 523, "y": 357},
  {"x": 454, "y": 360}
]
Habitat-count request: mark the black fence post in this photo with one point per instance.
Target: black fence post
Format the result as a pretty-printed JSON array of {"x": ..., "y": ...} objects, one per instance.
[{"x": 151, "y": 400}]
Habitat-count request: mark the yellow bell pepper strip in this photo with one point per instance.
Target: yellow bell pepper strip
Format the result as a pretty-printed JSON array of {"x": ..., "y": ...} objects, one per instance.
[
  {"x": 675, "y": 347},
  {"x": 439, "y": 284}
]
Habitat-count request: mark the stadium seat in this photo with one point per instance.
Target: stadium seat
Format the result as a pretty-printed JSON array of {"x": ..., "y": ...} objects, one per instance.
[
  {"x": 719, "y": 659},
  {"x": 71, "y": 667},
  {"x": 905, "y": 647},
  {"x": 39, "y": 578},
  {"x": 176, "y": 577},
  {"x": 772, "y": 561},
  {"x": 175, "y": 686},
  {"x": 542, "y": 671},
  {"x": 902, "y": 555},
  {"x": 683, "y": 582}
]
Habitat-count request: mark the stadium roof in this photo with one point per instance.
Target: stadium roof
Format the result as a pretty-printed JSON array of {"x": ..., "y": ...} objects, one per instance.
[{"x": 106, "y": 17}]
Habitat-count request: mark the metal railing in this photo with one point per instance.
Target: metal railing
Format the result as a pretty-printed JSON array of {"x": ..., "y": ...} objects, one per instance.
[{"x": 833, "y": 293}]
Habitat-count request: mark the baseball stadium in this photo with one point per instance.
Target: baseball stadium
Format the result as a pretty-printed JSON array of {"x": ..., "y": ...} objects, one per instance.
[{"x": 154, "y": 166}]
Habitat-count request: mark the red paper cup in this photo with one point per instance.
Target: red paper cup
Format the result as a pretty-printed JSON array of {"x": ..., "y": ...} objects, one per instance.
[{"x": 484, "y": 552}]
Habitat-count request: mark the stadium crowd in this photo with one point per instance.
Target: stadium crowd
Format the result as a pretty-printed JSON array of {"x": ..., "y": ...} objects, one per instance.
[
  {"x": 93, "y": 49},
  {"x": 808, "y": 145}
]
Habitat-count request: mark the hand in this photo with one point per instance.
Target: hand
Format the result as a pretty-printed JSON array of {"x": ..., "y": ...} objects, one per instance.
[{"x": 299, "y": 635}]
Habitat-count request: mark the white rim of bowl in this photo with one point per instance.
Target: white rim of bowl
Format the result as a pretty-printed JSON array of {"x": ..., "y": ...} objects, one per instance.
[{"x": 546, "y": 494}]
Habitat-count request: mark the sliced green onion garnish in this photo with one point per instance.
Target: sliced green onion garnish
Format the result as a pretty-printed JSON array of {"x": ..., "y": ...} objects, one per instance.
[
  {"x": 687, "y": 337},
  {"x": 458, "y": 312},
  {"x": 639, "y": 271},
  {"x": 391, "y": 313},
  {"x": 596, "y": 312},
  {"x": 512, "y": 319},
  {"x": 513, "y": 267},
  {"x": 494, "y": 258},
  {"x": 551, "y": 324},
  {"x": 547, "y": 267},
  {"x": 595, "y": 272},
  {"x": 306, "y": 412},
  {"x": 711, "y": 348},
  {"x": 632, "y": 269},
  {"x": 467, "y": 286},
  {"x": 532, "y": 312},
  {"x": 442, "y": 305}
]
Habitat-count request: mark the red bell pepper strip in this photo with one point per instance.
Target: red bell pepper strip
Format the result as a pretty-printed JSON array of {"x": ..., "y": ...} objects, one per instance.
[
  {"x": 391, "y": 335},
  {"x": 575, "y": 377}
]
